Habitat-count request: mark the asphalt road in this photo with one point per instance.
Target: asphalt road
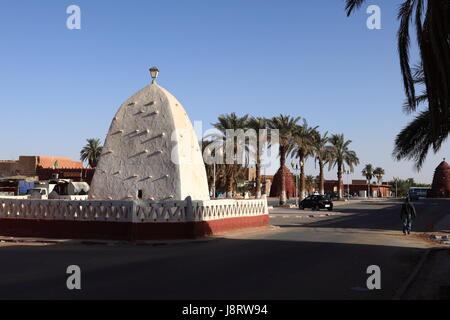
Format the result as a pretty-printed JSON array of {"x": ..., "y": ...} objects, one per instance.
[{"x": 300, "y": 258}]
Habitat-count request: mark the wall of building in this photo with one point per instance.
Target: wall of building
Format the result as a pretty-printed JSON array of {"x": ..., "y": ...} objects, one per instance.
[
  {"x": 355, "y": 188},
  {"x": 8, "y": 168},
  {"x": 28, "y": 165},
  {"x": 75, "y": 174}
]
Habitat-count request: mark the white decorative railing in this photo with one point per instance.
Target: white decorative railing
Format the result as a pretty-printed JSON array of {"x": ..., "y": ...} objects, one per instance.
[
  {"x": 165, "y": 211},
  {"x": 131, "y": 211},
  {"x": 222, "y": 209},
  {"x": 120, "y": 211}
]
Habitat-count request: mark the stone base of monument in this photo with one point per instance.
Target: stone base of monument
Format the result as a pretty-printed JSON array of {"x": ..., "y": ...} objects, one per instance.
[{"x": 129, "y": 220}]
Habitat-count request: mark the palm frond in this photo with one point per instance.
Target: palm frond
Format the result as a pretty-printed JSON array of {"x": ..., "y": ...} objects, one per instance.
[
  {"x": 416, "y": 139},
  {"x": 352, "y": 5}
]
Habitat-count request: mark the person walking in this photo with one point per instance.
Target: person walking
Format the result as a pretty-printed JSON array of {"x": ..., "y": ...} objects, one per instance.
[{"x": 408, "y": 214}]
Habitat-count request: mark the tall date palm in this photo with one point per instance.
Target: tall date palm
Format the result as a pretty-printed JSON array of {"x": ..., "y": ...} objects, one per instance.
[
  {"x": 91, "y": 152},
  {"x": 432, "y": 25},
  {"x": 368, "y": 173},
  {"x": 379, "y": 173},
  {"x": 231, "y": 122},
  {"x": 286, "y": 126},
  {"x": 302, "y": 148},
  {"x": 257, "y": 124},
  {"x": 342, "y": 156},
  {"x": 323, "y": 155}
]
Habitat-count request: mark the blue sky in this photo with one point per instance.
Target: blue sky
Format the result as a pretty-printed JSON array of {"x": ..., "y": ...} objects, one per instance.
[{"x": 303, "y": 58}]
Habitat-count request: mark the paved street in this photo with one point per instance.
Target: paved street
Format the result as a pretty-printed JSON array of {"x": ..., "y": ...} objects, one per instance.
[{"x": 299, "y": 258}]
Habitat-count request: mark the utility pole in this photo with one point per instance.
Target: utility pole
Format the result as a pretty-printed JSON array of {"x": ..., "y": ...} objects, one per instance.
[
  {"x": 348, "y": 185},
  {"x": 396, "y": 180},
  {"x": 396, "y": 188}
]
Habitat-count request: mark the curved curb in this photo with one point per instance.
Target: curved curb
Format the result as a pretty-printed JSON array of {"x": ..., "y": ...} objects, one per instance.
[{"x": 401, "y": 291}]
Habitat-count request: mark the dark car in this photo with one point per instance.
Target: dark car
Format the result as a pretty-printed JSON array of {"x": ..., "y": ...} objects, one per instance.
[
  {"x": 317, "y": 202},
  {"x": 332, "y": 195}
]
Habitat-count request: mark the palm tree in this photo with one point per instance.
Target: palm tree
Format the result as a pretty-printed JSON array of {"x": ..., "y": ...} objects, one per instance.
[
  {"x": 368, "y": 173},
  {"x": 342, "y": 156},
  {"x": 310, "y": 183},
  {"x": 322, "y": 155},
  {"x": 231, "y": 122},
  {"x": 379, "y": 173},
  {"x": 302, "y": 148},
  {"x": 215, "y": 171},
  {"x": 416, "y": 139},
  {"x": 286, "y": 125},
  {"x": 431, "y": 19},
  {"x": 208, "y": 167},
  {"x": 257, "y": 124},
  {"x": 91, "y": 152}
]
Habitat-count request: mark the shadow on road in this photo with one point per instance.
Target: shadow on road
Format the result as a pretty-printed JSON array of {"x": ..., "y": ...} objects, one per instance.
[
  {"x": 225, "y": 269},
  {"x": 279, "y": 265}
]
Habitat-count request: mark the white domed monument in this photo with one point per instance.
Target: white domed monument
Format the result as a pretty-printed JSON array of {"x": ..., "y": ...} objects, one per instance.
[
  {"x": 150, "y": 184},
  {"x": 151, "y": 151}
]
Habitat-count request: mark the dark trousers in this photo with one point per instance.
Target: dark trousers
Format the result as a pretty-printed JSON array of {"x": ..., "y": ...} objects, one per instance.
[{"x": 407, "y": 224}]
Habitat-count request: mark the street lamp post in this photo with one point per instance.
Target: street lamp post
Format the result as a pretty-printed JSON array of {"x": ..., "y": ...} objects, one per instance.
[
  {"x": 302, "y": 167},
  {"x": 348, "y": 185},
  {"x": 154, "y": 72},
  {"x": 396, "y": 180}
]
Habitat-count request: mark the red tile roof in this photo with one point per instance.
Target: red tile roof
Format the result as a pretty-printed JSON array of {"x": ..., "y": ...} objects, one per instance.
[{"x": 49, "y": 162}]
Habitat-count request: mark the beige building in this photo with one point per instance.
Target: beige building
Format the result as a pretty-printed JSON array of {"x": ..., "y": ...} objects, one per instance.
[{"x": 28, "y": 165}]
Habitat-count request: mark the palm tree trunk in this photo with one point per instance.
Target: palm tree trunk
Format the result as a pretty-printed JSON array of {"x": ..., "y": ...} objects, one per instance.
[
  {"x": 235, "y": 179},
  {"x": 283, "y": 198},
  {"x": 258, "y": 173},
  {"x": 230, "y": 181},
  {"x": 339, "y": 174},
  {"x": 321, "y": 178},
  {"x": 302, "y": 177},
  {"x": 258, "y": 181}
]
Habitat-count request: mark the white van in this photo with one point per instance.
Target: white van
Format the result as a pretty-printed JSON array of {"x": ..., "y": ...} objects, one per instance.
[{"x": 38, "y": 193}]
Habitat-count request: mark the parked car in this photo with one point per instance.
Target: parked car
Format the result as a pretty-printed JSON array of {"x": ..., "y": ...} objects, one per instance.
[
  {"x": 317, "y": 202},
  {"x": 332, "y": 195},
  {"x": 37, "y": 194},
  {"x": 348, "y": 195}
]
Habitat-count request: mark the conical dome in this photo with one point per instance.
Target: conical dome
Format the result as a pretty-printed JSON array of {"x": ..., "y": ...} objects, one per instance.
[
  {"x": 151, "y": 152},
  {"x": 275, "y": 190},
  {"x": 441, "y": 181}
]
